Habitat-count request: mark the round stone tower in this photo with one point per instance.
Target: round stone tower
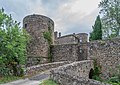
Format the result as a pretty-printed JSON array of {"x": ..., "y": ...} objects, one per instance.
[{"x": 38, "y": 48}]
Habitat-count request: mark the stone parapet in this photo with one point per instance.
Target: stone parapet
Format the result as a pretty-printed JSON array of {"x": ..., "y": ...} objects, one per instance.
[
  {"x": 63, "y": 78},
  {"x": 76, "y": 73},
  {"x": 43, "y": 67},
  {"x": 80, "y": 68}
]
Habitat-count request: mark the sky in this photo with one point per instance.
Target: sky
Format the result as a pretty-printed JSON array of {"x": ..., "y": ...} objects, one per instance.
[{"x": 69, "y": 16}]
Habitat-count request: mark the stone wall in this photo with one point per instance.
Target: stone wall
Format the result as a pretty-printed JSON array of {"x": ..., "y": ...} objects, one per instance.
[
  {"x": 63, "y": 78},
  {"x": 65, "y": 52},
  {"x": 76, "y": 73},
  {"x": 43, "y": 67},
  {"x": 107, "y": 54},
  {"x": 69, "y": 52},
  {"x": 80, "y": 68},
  {"x": 83, "y": 37},
  {"x": 83, "y": 51},
  {"x": 71, "y": 39},
  {"x": 35, "y": 60},
  {"x": 36, "y": 25},
  {"x": 68, "y": 39},
  {"x": 71, "y": 47}
]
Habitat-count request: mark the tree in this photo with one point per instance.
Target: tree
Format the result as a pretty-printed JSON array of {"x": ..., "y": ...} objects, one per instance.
[
  {"x": 96, "y": 34},
  {"x": 110, "y": 11},
  {"x": 13, "y": 42}
]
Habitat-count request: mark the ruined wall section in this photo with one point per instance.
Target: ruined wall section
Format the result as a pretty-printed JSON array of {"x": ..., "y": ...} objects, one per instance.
[
  {"x": 43, "y": 67},
  {"x": 73, "y": 47},
  {"x": 79, "y": 68},
  {"x": 68, "y": 39},
  {"x": 65, "y": 52},
  {"x": 83, "y": 51},
  {"x": 83, "y": 37},
  {"x": 107, "y": 54},
  {"x": 70, "y": 52},
  {"x": 76, "y": 73},
  {"x": 37, "y": 49},
  {"x": 71, "y": 39},
  {"x": 63, "y": 78}
]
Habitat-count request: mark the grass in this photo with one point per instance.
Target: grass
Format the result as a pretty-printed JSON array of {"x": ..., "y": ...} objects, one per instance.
[
  {"x": 7, "y": 79},
  {"x": 48, "y": 82}
]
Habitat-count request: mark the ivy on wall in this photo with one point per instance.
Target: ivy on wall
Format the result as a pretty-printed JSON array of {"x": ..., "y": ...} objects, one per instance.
[{"x": 48, "y": 36}]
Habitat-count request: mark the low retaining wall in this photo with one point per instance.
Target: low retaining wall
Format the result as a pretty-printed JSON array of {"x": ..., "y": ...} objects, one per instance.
[
  {"x": 66, "y": 79},
  {"x": 76, "y": 73},
  {"x": 80, "y": 68},
  {"x": 43, "y": 67}
]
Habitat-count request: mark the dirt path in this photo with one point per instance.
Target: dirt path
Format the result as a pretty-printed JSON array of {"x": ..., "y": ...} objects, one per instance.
[{"x": 35, "y": 80}]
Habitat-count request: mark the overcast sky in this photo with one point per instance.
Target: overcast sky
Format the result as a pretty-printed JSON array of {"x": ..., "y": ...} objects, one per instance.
[{"x": 70, "y": 16}]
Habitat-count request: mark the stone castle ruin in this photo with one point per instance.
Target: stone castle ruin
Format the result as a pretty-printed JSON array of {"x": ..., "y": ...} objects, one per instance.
[
  {"x": 64, "y": 48},
  {"x": 37, "y": 50},
  {"x": 73, "y": 50}
]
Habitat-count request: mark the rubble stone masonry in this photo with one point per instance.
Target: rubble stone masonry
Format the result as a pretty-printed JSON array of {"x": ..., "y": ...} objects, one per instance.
[
  {"x": 107, "y": 54},
  {"x": 37, "y": 49}
]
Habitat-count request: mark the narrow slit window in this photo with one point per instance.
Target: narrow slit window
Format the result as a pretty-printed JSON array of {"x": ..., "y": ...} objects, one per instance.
[{"x": 25, "y": 25}]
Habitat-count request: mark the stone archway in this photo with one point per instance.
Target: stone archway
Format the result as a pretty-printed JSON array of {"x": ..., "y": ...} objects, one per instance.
[{"x": 91, "y": 73}]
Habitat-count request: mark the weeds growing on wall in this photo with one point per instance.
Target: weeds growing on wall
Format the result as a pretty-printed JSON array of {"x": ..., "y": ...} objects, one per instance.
[
  {"x": 96, "y": 71},
  {"x": 48, "y": 36},
  {"x": 115, "y": 80}
]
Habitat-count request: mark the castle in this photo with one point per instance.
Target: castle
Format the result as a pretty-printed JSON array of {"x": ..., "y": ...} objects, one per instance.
[
  {"x": 71, "y": 47},
  {"x": 49, "y": 46}
]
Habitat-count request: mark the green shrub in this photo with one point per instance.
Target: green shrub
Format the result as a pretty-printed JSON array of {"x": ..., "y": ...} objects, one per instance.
[
  {"x": 8, "y": 79},
  {"x": 13, "y": 42},
  {"x": 48, "y": 82},
  {"x": 114, "y": 83},
  {"x": 96, "y": 71},
  {"x": 48, "y": 37},
  {"x": 115, "y": 80}
]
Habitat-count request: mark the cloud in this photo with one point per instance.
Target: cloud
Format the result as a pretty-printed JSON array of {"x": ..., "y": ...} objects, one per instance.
[
  {"x": 71, "y": 19},
  {"x": 20, "y": 8},
  {"x": 69, "y": 15},
  {"x": 85, "y": 24}
]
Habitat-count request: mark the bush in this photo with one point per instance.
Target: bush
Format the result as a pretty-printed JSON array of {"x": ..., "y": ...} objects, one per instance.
[
  {"x": 7, "y": 79},
  {"x": 48, "y": 36},
  {"x": 115, "y": 80},
  {"x": 96, "y": 71},
  {"x": 13, "y": 42}
]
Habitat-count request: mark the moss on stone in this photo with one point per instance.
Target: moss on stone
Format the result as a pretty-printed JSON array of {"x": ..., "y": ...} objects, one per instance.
[{"x": 48, "y": 36}]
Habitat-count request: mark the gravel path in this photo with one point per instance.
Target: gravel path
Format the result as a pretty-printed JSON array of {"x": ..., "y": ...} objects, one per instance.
[{"x": 35, "y": 80}]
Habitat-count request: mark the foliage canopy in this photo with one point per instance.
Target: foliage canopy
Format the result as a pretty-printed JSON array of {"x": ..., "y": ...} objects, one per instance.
[
  {"x": 96, "y": 34},
  {"x": 13, "y": 41},
  {"x": 110, "y": 12}
]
